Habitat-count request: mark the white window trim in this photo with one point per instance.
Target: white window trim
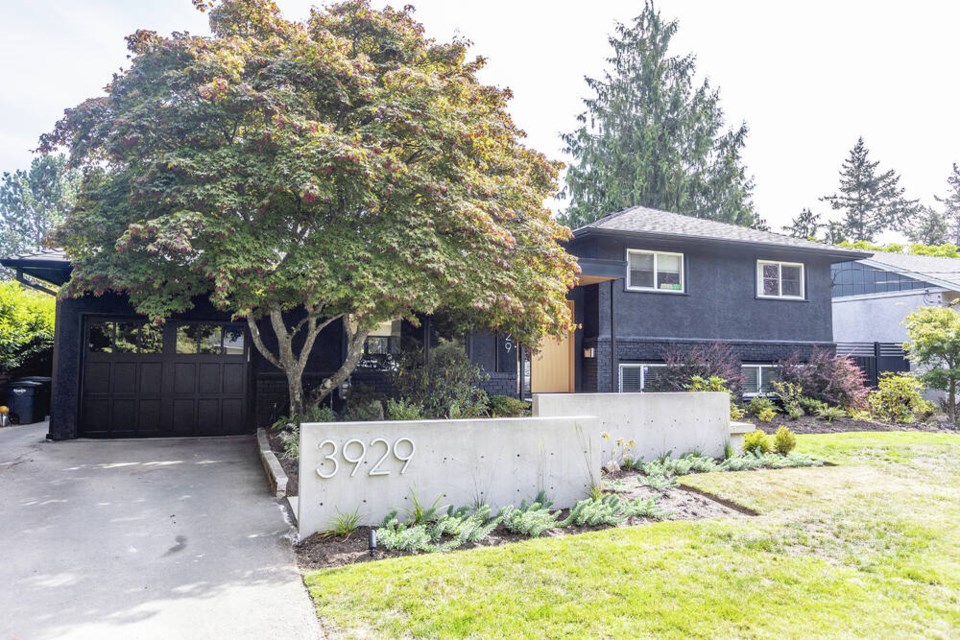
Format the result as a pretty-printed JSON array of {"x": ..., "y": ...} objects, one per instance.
[
  {"x": 760, "y": 368},
  {"x": 780, "y": 264},
  {"x": 643, "y": 375},
  {"x": 656, "y": 267}
]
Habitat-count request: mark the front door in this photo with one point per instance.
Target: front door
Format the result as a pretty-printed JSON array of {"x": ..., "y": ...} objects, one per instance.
[
  {"x": 551, "y": 368},
  {"x": 182, "y": 379}
]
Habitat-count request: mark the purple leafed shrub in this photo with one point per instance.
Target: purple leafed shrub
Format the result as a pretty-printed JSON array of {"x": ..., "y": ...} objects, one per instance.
[
  {"x": 830, "y": 378},
  {"x": 716, "y": 359}
]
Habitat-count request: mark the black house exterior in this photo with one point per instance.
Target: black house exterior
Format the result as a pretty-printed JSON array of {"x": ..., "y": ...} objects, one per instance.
[
  {"x": 650, "y": 281},
  {"x": 116, "y": 375},
  {"x": 654, "y": 280}
]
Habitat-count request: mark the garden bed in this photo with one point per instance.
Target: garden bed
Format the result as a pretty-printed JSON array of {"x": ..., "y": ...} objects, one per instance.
[
  {"x": 677, "y": 503},
  {"x": 813, "y": 425}
]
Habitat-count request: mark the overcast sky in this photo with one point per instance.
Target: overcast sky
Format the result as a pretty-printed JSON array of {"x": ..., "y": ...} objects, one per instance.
[{"x": 808, "y": 77}]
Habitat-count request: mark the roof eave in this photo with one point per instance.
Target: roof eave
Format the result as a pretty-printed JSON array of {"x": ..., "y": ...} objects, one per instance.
[{"x": 842, "y": 255}]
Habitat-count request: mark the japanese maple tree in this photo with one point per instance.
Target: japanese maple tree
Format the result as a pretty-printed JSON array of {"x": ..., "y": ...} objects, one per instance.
[{"x": 345, "y": 167}]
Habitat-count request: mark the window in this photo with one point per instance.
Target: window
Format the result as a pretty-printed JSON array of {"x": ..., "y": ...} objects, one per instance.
[
  {"x": 107, "y": 336},
  {"x": 758, "y": 379},
  {"x": 780, "y": 280},
  {"x": 635, "y": 377},
  {"x": 384, "y": 339},
  {"x": 654, "y": 271},
  {"x": 209, "y": 339}
]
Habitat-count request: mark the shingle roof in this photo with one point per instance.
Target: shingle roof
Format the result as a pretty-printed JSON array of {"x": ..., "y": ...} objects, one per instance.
[
  {"x": 52, "y": 255},
  {"x": 644, "y": 220},
  {"x": 944, "y": 272}
]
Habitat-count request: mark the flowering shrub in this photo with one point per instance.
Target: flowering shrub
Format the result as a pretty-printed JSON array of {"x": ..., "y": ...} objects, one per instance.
[
  {"x": 715, "y": 360},
  {"x": 835, "y": 380}
]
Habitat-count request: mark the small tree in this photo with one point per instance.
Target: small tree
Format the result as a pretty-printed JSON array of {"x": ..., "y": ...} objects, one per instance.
[
  {"x": 346, "y": 169},
  {"x": 935, "y": 345},
  {"x": 806, "y": 225}
]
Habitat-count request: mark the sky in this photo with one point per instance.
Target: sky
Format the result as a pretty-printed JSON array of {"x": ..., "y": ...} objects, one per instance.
[{"x": 807, "y": 77}]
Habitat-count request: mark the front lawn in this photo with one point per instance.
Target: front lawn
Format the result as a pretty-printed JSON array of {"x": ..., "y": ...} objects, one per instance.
[{"x": 868, "y": 548}]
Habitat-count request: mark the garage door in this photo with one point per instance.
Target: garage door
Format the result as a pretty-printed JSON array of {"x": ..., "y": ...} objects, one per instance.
[{"x": 182, "y": 379}]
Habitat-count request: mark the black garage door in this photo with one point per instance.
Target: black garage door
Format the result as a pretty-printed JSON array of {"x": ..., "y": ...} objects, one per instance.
[{"x": 182, "y": 379}]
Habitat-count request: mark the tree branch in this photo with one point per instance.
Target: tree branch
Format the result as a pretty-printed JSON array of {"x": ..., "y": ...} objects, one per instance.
[{"x": 258, "y": 342}]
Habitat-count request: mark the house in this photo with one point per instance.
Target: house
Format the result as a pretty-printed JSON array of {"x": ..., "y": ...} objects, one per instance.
[
  {"x": 116, "y": 375},
  {"x": 873, "y": 296},
  {"x": 654, "y": 280},
  {"x": 651, "y": 280}
]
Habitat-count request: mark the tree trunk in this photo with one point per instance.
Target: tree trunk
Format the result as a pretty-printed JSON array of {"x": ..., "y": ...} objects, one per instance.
[
  {"x": 355, "y": 340},
  {"x": 952, "y": 401},
  {"x": 295, "y": 391}
]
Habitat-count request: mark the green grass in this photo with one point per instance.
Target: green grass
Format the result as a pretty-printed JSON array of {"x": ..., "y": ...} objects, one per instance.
[{"x": 868, "y": 548}]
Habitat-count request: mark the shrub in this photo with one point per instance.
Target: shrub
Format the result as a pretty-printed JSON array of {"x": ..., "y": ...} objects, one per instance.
[
  {"x": 530, "y": 520},
  {"x": 449, "y": 531},
  {"x": 507, "y": 407},
  {"x": 715, "y": 360},
  {"x": 810, "y": 406},
  {"x": 447, "y": 386},
  {"x": 610, "y": 510},
  {"x": 899, "y": 398},
  {"x": 762, "y": 408},
  {"x": 344, "y": 524},
  {"x": 364, "y": 411},
  {"x": 784, "y": 441},
  {"x": 757, "y": 442},
  {"x": 826, "y": 377},
  {"x": 402, "y": 409},
  {"x": 831, "y": 413},
  {"x": 789, "y": 394},
  {"x": 715, "y": 383},
  {"x": 26, "y": 328}
]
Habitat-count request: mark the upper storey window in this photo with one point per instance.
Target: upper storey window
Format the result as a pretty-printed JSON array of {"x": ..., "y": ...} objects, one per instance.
[
  {"x": 658, "y": 271},
  {"x": 780, "y": 280}
]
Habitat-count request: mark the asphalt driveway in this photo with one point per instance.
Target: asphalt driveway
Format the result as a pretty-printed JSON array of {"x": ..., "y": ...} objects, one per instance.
[{"x": 142, "y": 539}]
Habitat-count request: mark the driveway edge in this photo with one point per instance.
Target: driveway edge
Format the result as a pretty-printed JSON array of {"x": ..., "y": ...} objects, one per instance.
[{"x": 276, "y": 478}]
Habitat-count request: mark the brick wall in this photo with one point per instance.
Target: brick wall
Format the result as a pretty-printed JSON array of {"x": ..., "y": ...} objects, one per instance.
[
  {"x": 504, "y": 384},
  {"x": 598, "y": 374}
]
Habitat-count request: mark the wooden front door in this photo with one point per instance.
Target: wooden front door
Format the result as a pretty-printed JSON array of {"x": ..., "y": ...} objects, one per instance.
[{"x": 551, "y": 368}]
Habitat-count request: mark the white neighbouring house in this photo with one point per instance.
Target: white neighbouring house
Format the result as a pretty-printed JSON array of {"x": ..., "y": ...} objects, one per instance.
[{"x": 872, "y": 297}]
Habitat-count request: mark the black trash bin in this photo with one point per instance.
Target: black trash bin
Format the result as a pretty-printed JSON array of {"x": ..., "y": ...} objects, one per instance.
[
  {"x": 25, "y": 402},
  {"x": 44, "y": 400}
]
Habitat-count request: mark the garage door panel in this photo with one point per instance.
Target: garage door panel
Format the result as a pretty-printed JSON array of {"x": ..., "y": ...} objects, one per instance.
[
  {"x": 123, "y": 415},
  {"x": 98, "y": 415},
  {"x": 209, "y": 382},
  {"x": 184, "y": 377},
  {"x": 124, "y": 378},
  {"x": 184, "y": 416},
  {"x": 97, "y": 377},
  {"x": 208, "y": 415},
  {"x": 151, "y": 379},
  {"x": 149, "y": 417},
  {"x": 234, "y": 378},
  {"x": 233, "y": 415}
]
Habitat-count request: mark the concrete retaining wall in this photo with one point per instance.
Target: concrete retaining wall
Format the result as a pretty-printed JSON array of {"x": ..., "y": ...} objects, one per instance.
[
  {"x": 677, "y": 423},
  {"x": 377, "y": 467}
]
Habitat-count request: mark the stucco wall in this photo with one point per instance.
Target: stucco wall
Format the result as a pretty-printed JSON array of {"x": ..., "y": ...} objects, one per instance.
[
  {"x": 878, "y": 318},
  {"x": 464, "y": 462},
  {"x": 660, "y": 423}
]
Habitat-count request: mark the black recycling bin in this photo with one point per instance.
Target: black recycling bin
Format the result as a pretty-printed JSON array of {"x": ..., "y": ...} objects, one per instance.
[
  {"x": 46, "y": 381},
  {"x": 25, "y": 402}
]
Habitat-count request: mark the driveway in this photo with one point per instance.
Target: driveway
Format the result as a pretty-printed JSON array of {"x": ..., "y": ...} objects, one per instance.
[{"x": 142, "y": 539}]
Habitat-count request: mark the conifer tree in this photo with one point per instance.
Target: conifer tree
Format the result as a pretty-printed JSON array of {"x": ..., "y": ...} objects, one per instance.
[
  {"x": 951, "y": 205},
  {"x": 806, "y": 225},
  {"x": 871, "y": 201},
  {"x": 928, "y": 227},
  {"x": 651, "y": 137}
]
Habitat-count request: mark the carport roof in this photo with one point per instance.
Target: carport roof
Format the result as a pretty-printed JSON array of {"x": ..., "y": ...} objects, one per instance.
[{"x": 49, "y": 265}]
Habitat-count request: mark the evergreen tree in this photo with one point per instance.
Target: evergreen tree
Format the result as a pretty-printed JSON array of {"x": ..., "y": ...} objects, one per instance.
[
  {"x": 871, "y": 201},
  {"x": 805, "y": 225},
  {"x": 651, "y": 137},
  {"x": 33, "y": 202},
  {"x": 951, "y": 205},
  {"x": 928, "y": 227}
]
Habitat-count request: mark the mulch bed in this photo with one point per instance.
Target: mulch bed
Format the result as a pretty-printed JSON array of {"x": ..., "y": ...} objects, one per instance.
[
  {"x": 810, "y": 424},
  {"x": 319, "y": 552}
]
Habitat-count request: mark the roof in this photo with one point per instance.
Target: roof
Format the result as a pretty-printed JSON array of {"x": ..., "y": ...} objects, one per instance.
[
  {"x": 942, "y": 272},
  {"x": 49, "y": 265},
  {"x": 653, "y": 222}
]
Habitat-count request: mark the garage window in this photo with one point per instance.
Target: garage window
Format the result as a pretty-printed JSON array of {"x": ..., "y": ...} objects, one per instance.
[
  {"x": 108, "y": 336},
  {"x": 209, "y": 339}
]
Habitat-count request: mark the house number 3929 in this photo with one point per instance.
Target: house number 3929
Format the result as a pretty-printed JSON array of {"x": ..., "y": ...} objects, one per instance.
[{"x": 355, "y": 452}]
